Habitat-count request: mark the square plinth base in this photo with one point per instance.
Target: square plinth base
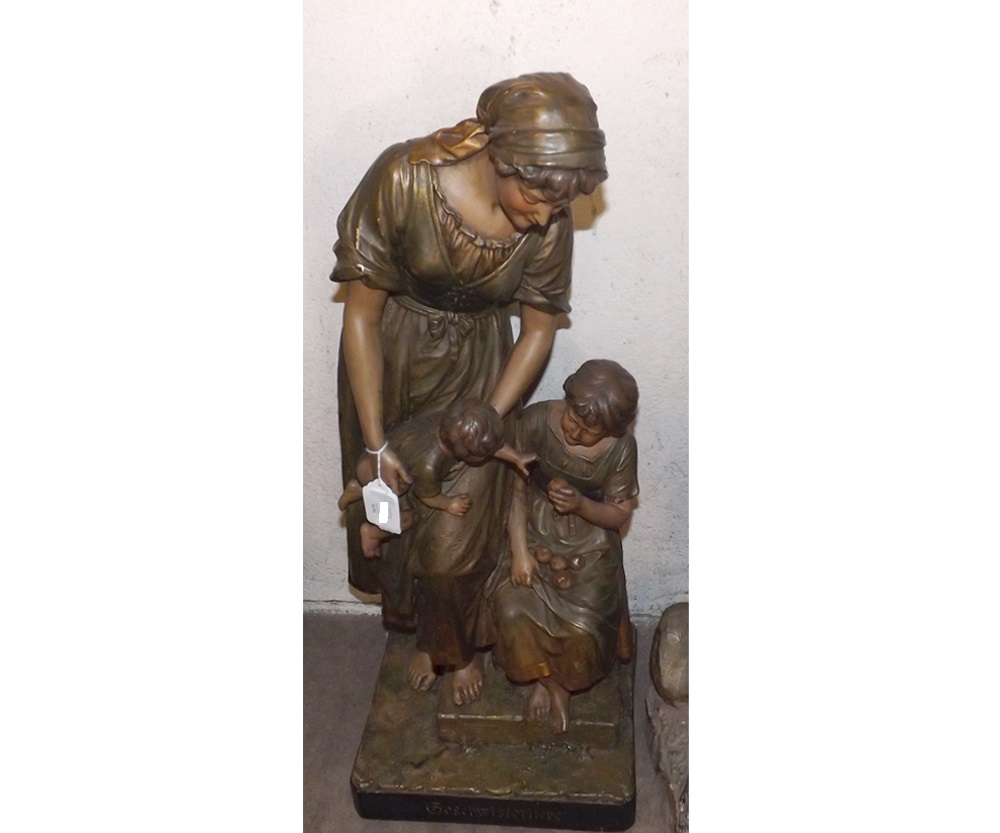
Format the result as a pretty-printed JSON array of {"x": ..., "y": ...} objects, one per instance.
[{"x": 421, "y": 760}]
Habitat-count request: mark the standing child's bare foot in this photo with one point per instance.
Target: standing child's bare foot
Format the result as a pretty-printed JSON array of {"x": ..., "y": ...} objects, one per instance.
[
  {"x": 371, "y": 538},
  {"x": 467, "y": 683},
  {"x": 558, "y": 704},
  {"x": 421, "y": 672},
  {"x": 537, "y": 705},
  {"x": 352, "y": 492}
]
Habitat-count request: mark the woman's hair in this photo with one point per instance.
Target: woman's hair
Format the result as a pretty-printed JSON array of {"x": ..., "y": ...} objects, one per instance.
[
  {"x": 543, "y": 127},
  {"x": 471, "y": 428},
  {"x": 603, "y": 394},
  {"x": 556, "y": 184}
]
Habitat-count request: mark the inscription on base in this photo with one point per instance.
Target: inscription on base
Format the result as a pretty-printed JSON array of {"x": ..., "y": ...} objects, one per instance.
[{"x": 440, "y": 810}]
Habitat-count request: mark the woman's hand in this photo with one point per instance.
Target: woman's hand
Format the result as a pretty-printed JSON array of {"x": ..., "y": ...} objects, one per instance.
[
  {"x": 564, "y": 498},
  {"x": 394, "y": 473}
]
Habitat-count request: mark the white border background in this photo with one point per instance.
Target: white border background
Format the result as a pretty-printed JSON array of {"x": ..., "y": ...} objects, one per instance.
[{"x": 844, "y": 416}]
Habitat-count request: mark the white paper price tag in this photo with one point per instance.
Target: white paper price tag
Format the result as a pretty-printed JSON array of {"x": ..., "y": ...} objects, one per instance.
[{"x": 381, "y": 506}]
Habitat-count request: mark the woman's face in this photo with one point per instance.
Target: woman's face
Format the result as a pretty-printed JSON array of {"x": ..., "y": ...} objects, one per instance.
[
  {"x": 577, "y": 432},
  {"x": 525, "y": 207}
]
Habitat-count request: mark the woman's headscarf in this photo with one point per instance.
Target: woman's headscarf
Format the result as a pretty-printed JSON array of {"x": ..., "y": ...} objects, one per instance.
[{"x": 546, "y": 119}]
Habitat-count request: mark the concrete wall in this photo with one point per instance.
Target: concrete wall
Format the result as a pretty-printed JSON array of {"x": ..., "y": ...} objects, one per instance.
[{"x": 387, "y": 70}]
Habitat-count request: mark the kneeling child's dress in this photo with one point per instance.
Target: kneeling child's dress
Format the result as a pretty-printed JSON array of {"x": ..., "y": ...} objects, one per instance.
[{"x": 575, "y": 634}]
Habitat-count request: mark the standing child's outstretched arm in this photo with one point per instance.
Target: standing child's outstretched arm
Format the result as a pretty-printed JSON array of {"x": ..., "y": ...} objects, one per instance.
[{"x": 518, "y": 459}]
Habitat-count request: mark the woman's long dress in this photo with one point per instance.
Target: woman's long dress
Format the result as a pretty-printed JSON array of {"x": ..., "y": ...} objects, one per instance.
[
  {"x": 574, "y": 634},
  {"x": 445, "y": 335}
]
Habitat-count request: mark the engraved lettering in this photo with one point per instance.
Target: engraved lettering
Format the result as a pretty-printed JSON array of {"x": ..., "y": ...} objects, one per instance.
[{"x": 437, "y": 809}]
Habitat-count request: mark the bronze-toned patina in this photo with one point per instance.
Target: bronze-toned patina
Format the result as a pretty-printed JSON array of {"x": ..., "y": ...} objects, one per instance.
[
  {"x": 431, "y": 446},
  {"x": 440, "y": 236},
  {"x": 558, "y": 595},
  {"x": 512, "y": 543},
  {"x": 408, "y": 767}
]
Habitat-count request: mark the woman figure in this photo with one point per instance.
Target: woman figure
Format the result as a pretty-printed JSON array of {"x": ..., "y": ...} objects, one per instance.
[
  {"x": 440, "y": 236},
  {"x": 558, "y": 594}
]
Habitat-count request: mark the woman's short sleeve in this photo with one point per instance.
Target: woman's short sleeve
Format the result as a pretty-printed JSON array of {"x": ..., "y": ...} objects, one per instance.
[
  {"x": 546, "y": 281},
  {"x": 372, "y": 222}
]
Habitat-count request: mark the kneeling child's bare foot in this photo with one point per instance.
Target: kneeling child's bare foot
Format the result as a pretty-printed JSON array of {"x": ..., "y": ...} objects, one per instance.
[
  {"x": 558, "y": 705},
  {"x": 536, "y": 706}
]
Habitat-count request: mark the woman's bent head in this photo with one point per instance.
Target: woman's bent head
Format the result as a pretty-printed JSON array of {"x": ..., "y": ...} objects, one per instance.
[{"x": 543, "y": 128}]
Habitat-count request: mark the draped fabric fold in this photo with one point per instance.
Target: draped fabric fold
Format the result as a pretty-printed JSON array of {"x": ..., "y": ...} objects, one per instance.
[{"x": 450, "y": 145}]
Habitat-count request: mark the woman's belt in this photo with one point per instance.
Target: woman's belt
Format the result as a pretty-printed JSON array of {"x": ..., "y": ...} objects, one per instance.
[
  {"x": 455, "y": 305},
  {"x": 455, "y": 326}
]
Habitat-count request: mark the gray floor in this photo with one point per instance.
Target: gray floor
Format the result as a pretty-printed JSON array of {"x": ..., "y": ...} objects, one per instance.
[{"x": 342, "y": 655}]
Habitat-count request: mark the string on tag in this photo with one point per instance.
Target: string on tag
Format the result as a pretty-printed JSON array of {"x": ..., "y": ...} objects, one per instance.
[{"x": 378, "y": 457}]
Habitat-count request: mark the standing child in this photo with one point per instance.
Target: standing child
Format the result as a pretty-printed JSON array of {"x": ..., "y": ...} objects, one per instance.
[
  {"x": 432, "y": 447},
  {"x": 558, "y": 595}
]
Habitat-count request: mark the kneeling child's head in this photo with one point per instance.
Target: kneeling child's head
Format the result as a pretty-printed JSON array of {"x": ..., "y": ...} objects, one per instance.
[{"x": 603, "y": 397}]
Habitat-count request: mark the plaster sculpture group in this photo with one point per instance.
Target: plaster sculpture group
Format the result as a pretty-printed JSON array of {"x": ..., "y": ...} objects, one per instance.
[{"x": 509, "y": 541}]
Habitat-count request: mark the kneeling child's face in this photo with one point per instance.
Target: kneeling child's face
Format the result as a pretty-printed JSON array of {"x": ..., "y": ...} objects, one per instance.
[{"x": 577, "y": 432}]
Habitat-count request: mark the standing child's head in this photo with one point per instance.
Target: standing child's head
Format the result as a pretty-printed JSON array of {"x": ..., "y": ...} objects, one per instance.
[
  {"x": 471, "y": 430},
  {"x": 601, "y": 401}
]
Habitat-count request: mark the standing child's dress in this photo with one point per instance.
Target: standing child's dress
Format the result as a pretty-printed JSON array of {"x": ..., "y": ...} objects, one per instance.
[{"x": 576, "y": 634}]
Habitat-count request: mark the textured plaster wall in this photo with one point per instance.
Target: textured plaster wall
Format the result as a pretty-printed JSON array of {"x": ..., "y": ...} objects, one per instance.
[{"x": 386, "y": 70}]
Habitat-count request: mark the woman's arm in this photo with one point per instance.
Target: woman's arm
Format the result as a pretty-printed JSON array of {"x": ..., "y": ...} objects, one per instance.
[
  {"x": 538, "y": 329},
  {"x": 523, "y": 563},
  {"x": 363, "y": 354}
]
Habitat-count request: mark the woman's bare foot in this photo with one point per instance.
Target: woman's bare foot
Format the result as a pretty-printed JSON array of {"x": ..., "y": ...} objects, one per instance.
[
  {"x": 558, "y": 704},
  {"x": 371, "y": 538},
  {"x": 467, "y": 683},
  {"x": 421, "y": 672},
  {"x": 538, "y": 704}
]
